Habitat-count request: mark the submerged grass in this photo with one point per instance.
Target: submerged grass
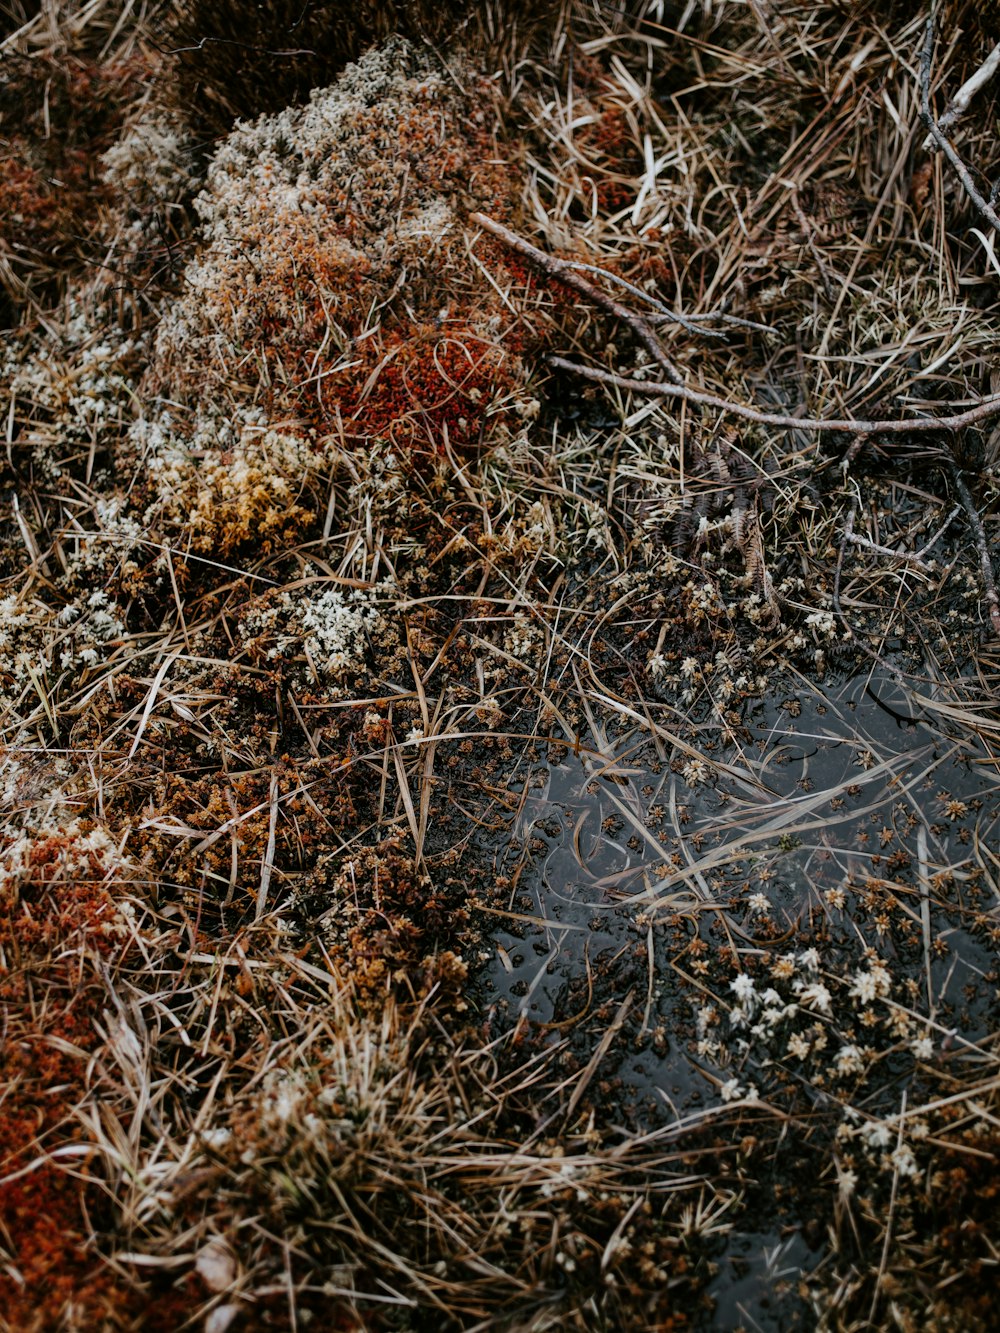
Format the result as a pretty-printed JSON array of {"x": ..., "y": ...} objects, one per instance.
[{"x": 315, "y": 570}]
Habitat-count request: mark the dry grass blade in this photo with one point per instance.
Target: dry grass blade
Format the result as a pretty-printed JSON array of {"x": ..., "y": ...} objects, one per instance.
[
  {"x": 395, "y": 693},
  {"x": 958, "y": 421}
]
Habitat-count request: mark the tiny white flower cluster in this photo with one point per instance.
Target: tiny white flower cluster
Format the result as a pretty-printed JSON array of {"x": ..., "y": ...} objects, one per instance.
[
  {"x": 76, "y": 382},
  {"x": 76, "y": 849},
  {"x": 705, "y": 602},
  {"x": 732, "y": 1090},
  {"x": 874, "y": 984},
  {"x": 849, "y": 1060},
  {"x": 94, "y": 623},
  {"x": 34, "y": 638},
  {"x": 284, "y": 1097},
  {"x": 335, "y": 626},
  {"x": 757, "y": 609},
  {"x": 809, "y": 1014},
  {"x": 288, "y": 1119},
  {"x": 592, "y": 528},
  {"x": 817, "y": 997},
  {"x": 744, "y": 989},
  {"x": 15, "y": 618},
  {"x": 525, "y": 640},
  {"x": 881, "y": 1143},
  {"x": 720, "y": 679},
  {"x": 323, "y": 634},
  {"x": 116, "y": 536},
  {"x": 539, "y": 528},
  {"x": 695, "y": 772},
  {"x": 657, "y": 666},
  {"x": 824, "y": 623},
  {"x": 557, "y": 1182}
]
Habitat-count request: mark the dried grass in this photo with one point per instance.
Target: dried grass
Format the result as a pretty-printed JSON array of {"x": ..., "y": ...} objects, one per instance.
[{"x": 312, "y": 564}]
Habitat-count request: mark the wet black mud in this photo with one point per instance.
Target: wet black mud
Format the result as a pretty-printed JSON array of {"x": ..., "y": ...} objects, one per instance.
[{"x": 850, "y": 820}]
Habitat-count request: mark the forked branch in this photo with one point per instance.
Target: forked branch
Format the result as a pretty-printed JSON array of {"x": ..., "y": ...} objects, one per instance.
[
  {"x": 980, "y": 411},
  {"x": 565, "y": 272},
  {"x": 983, "y": 206}
]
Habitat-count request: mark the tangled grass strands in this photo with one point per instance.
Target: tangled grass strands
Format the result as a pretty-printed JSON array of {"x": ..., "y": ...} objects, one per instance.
[
  {"x": 984, "y": 207},
  {"x": 983, "y": 410},
  {"x": 483, "y": 847}
]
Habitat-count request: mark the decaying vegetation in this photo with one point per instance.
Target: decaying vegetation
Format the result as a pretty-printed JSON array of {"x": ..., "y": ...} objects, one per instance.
[{"x": 403, "y": 401}]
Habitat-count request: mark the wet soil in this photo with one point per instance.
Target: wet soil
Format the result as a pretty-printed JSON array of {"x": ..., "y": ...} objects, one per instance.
[{"x": 849, "y": 818}]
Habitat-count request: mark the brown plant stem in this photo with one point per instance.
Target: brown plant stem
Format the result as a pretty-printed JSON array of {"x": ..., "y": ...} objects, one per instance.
[
  {"x": 983, "y": 206},
  {"x": 982, "y": 549},
  {"x": 986, "y": 407},
  {"x": 566, "y": 272}
]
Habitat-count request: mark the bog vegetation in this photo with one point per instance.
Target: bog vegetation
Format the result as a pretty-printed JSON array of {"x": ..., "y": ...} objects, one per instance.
[{"x": 405, "y": 405}]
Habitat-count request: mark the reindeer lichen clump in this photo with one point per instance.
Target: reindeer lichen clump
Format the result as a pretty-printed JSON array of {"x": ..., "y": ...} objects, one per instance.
[{"x": 334, "y": 299}]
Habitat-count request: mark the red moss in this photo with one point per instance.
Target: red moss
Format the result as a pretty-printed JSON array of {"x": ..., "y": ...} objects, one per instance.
[
  {"x": 426, "y": 347},
  {"x": 57, "y": 917},
  {"x": 419, "y": 381},
  {"x": 59, "y": 116},
  {"x": 431, "y": 386},
  {"x": 609, "y": 143}
]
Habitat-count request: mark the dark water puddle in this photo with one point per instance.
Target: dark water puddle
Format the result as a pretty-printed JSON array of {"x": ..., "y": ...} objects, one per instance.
[
  {"x": 757, "y": 1286},
  {"x": 852, "y": 817},
  {"x": 850, "y": 785}
]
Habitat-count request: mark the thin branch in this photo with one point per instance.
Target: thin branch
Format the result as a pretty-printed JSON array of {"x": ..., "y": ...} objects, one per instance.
[
  {"x": 856, "y": 639},
  {"x": 940, "y": 532},
  {"x": 985, "y": 408},
  {"x": 959, "y": 104},
  {"x": 982, "y": 548},
  {"x": 566, "y": 272},
  {"x": 733, "y": 320},
  {"x": 909, "y": 557},
  {"x": 666, "y": 313},
  {"x": 983, "y": 206}
]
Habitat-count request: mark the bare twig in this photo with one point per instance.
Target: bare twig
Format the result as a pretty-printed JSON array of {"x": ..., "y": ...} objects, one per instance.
[
  {"x": 893, "y": 1194},
  {"x": 983, "y": 206},
  {"x": 567, "y": 272},
  {"x": 959, "y": 104},
  {"x": 839, "y": 570},
  {"x": 577, "y": 266},
  {"x": 928, "y": 545},
  {"x": 982, "y": 549},
  {"x": 908, "y": 557},
  {"x": 980, "y": 411}
]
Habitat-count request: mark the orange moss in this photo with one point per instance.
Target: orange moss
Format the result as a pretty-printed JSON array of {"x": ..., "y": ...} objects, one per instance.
[
  {"x": 57, "y": 917},
  {"x": 609, "y": 143},
  {"x": 419, "y": 381},
  {"x": 58, "y": 117},
  {"x": 432, "y": 386},
  {"x": 963, "y": 1205},
  {"x": 242, "y": 803},
  {"x": 356, "y": 309},
  {"x": 395, "y": 929}
]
